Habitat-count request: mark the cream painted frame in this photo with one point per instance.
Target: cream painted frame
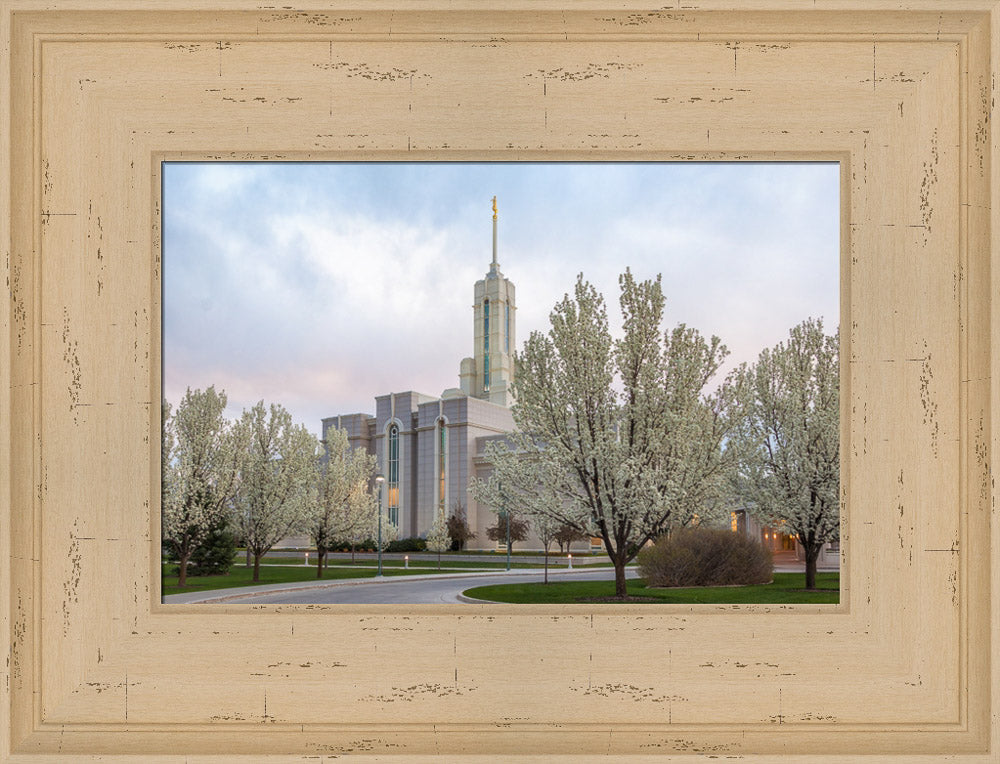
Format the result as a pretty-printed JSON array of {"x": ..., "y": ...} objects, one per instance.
[{"x": 96, "y": 93}]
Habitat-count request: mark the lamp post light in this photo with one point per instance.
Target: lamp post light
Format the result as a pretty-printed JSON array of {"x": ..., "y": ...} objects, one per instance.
[
  {"x": 506, "y": 514},
  {"x": 379, "y": 479},
  {"x": 508, "y": 540}
]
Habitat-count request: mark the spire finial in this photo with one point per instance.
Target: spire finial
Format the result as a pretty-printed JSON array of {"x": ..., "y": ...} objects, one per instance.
[{"x": 494, "y": 265}]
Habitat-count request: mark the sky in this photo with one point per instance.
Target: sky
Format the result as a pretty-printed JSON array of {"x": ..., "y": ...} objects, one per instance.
[{"x": 321, "y": 285}]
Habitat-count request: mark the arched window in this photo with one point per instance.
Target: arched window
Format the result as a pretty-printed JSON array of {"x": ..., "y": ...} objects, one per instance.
[
  {"x": 486, "y": 344},
  {"x": 392, "y": 498},
  {"x": 442, "y": 449}
]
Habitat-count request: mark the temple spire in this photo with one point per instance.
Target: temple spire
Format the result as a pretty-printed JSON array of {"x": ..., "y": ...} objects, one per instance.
[
  {"x": 489, "y": 373},
  {"x": 494, "y": 264}
]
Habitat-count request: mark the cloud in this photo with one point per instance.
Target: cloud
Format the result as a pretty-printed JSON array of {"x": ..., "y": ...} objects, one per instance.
[
  {"x": 319, "y": 307},
  {"x": 322, "y": 286}
]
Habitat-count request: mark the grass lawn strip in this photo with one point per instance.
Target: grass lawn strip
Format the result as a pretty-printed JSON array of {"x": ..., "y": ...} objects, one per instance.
[
  {"x": 787, "y": 588},
  {"x": 426, "y": 564},
  {"x": 281, "y": 574},
  {"x": 274, "y": 572},
  {"x": 486, "y": 554}
]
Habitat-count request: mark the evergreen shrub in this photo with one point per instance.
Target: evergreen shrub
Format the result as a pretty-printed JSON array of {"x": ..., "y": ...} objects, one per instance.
[
  {"x": 407, "y": 545},
  {"x": 699, "y": 556},
  {"x": 214, "y": 556}
]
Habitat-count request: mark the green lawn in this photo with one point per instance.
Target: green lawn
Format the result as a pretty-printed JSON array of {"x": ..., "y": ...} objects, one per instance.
[
  {"x": 274, "y": 574},
  {"x": 787, "y": 588},
  {"x": 485, "y": 553},
  {"x": 501, "y": 564},
  {"x": 278, "y": 570}
]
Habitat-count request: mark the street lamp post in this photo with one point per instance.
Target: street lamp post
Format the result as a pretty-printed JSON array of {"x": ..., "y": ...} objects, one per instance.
[
  {"x": 379, "y": 479},
  {"x": 506, "y": 514}
]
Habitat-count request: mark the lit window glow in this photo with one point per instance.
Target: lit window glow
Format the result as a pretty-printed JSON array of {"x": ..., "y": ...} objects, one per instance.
[{"x": 393, "y": 481}]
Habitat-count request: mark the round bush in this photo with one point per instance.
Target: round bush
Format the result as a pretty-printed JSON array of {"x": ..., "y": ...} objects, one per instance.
[{"x": 705, "y": 557}]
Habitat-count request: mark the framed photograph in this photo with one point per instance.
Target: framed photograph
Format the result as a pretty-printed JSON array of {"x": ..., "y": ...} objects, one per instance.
[
  {"x": 347, "y": 294},
  {"x": 99, "y": 95}
]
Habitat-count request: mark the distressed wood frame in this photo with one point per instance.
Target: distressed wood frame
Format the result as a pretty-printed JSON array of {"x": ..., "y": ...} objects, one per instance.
[{"x": 96, "y": 94}]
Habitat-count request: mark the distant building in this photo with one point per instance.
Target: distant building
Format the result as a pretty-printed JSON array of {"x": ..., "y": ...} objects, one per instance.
[
  {"x": 427, "y": 447},
  {"x": 779, "y": 540}
]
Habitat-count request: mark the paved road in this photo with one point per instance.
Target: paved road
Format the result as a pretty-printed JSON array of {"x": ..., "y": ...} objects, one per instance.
[{"x": 407, "y": 590}]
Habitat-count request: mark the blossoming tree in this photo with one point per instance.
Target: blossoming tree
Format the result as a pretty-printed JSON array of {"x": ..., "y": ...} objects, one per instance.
[
  {"x": 788, "y": 438},
  {"x": 278, "y": 467},
  {"x": 615, "y": 438},
  {"x": 340, "y": 506},
  {"x": 438, "y": 539},
  {"x": 200, "y": 460}
]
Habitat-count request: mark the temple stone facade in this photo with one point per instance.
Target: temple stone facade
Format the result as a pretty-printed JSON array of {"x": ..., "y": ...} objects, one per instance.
[{"x": 428, "y": 447}]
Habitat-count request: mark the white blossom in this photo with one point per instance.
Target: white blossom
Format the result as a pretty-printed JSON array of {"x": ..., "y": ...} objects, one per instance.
[
  {"x": 200, "y": 460},
  {"x": 279, "y": 467},
  {"x": 389, "y": 530},
  {"x": 616, "y": 438},
  {"x": 340, "y": 506},
  {"x": 788, "y": 438},
  {"x": 438, "y": 539}
]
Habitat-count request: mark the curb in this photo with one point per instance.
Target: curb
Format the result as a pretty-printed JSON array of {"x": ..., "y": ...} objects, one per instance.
[
  {"x": 213, "y": 597},
  {"x": 474, "y": 601}
]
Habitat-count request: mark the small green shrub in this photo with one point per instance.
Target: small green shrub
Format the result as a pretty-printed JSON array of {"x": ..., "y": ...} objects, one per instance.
[
  {"x": 340, "y": 545},
  {"x": 215, "y": 555},
  {"x": 407, "y": 545},
  {"x": 705, "y": 557}
]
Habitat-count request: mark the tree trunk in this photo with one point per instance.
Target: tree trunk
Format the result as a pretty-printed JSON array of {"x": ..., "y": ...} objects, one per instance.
[
  {"x": 812, "y": 554},
  {"x": 319, "y": 562},
  {"x": 256, "y": 567},
  {"x": 182, "y": 570},
  {"x": 621, "y": 591},
  {"x": 439, "y": 559},
  {"x": 546, "y": 563}
]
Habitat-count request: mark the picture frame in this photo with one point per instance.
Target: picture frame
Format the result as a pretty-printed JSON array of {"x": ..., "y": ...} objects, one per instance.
[{"x": 97, "y": 94}]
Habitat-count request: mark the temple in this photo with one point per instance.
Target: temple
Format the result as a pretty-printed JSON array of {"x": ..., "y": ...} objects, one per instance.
[{"x": 429, "y": 447}]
